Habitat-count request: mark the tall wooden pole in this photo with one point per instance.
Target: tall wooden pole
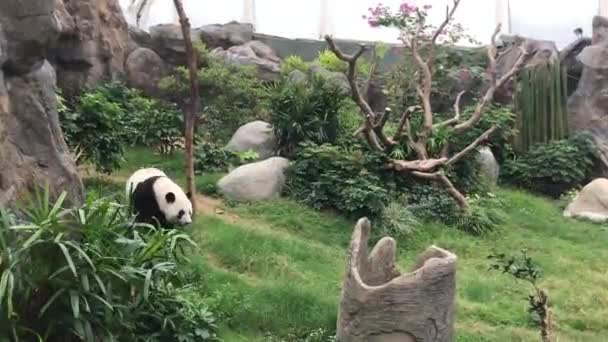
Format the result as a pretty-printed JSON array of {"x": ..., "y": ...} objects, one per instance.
[{"x": 190, "y": 116}]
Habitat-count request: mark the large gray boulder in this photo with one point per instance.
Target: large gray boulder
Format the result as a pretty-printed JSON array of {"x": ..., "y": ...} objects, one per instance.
[
  {"x": 588, "y": 105},
  {"x": 226, "y": 35},
  {"x": 259, "y": 181},
  {"x": 168, "y": 42},
  {"x": 254, "y": 53},
  {"x": 338, "y": 77},
  {"x": 489, "y": 168},
  {"x": 93, "y": 45},
  {"x": 257, "y": 136},
  {"x": 144, "y": 70},
  {"x": 32, "y": 148},
  {"x": 591, "y": 202}
]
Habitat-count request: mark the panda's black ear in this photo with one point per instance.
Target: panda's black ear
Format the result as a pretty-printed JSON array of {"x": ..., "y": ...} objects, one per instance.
[
  {"x": 170, "y": 197},
  {"x": 189, "y": 195}
]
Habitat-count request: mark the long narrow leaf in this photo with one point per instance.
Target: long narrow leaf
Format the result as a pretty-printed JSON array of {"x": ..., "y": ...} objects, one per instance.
[
  {"x": 75, "y": 303},
  {"x": 68, "y": 258},
  {"x": 51, "y": 301}
]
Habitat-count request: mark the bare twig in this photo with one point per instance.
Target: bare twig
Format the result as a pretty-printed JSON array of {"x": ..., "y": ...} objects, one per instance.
[
  {"x": 449, "y": 14},
  {"x": 456, "y": 118},
  {"x": 352, "y": 77},
  {"x": 494, "y": 84},
  {"x": 440, "y": 177},
  {"x": 483, "y": 137}
]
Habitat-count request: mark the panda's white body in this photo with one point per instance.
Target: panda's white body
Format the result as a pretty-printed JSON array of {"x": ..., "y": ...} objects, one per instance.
[
  {"x": 158, "y": 199},
  {"x": 140, "y": 176}
]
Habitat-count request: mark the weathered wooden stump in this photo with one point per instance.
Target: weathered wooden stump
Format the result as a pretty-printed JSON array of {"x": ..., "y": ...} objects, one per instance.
[{"x": 381, "y": 304}]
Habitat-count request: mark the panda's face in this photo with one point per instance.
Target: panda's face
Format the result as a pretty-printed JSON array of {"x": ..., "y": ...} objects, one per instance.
[
  {"x": 173, "y": 202},
  {"x": 176, "y": 212}
]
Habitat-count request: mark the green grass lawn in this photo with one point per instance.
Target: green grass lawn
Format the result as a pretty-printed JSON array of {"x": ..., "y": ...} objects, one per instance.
[{"x": 277, "y": 267}]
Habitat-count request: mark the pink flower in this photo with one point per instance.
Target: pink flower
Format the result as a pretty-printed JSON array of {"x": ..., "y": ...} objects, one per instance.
[
  {"x": 373, "y": 22},
  {"x": 407, "y": 9}
]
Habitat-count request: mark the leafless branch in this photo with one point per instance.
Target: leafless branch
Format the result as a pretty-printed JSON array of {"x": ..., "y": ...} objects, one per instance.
[
  {"x": 483, "y": 137},
  {"x": 449, "y": 14},
  {"x": 352, "y": 77},
  {"x": 440, "y": 177},
  {"x": 494, "y": 84},
  {"x": 456, "y": 118}
]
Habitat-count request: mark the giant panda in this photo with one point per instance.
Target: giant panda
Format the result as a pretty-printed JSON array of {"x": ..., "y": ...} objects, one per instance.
[{"x": 155, "y": 198}]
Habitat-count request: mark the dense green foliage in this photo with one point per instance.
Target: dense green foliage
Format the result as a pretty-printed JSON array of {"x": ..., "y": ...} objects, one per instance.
[
  {"x": 231, "y": 95},
  {"x": 307, "y": 111},
  {"x": 88, "y": 273},
  {"x": 102, "y": 121},
  {"x": 210, "y": 157},
  {"x": 330, "y": 176},
  {"x": 553, "y": 168},
  {"x": 540, "y": 101},
  {"x": 293, "y": 62}
]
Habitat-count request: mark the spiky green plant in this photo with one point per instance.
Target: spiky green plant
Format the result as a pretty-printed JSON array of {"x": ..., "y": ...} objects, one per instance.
[{"x": 540, "y": 102}]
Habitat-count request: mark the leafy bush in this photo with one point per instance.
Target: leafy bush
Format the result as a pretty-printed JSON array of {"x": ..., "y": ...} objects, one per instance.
[
  {"x": 329, "y": 61},
  {"x": 485, "y": 215},
  {"x": 397, "y": 220},
  {"x": 210, "y": 157},
  {"x": 231, "y": 95},
  {"x": 292, "y": 63},
  {"x": 430, "y": 202},
  {"x": 102, "y": 121},
  {"x": 87, "y": 274},
  {"x": 328, "y": 176},
  {"x": 95, "y": 125},
  {"x": 305, "y": 112},
  {"x": 465, "y": 173},
  {"x": 553, "y": 168}
]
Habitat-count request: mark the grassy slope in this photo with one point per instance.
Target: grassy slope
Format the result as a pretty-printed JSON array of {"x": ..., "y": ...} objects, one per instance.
[{"x": 277, "y": 267}]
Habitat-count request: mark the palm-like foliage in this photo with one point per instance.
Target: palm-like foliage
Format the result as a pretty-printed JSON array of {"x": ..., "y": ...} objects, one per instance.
[{"x": 88, "y": 273}]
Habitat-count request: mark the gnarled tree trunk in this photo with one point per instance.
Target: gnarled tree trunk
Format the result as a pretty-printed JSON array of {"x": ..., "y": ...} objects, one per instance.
[
  {"x": 381, "y": 304},
  {"x": 32, "y": 147}
]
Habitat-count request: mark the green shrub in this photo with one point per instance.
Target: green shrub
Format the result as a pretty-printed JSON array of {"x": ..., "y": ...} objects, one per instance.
[
  {"x": 210, "y": 157},
  {"x": 102, "y": 121},
  {"x": 89, "y": 274},
  {"x": 430, "y": 202},
  {"x": 231, "y": 95},
  {"x": 552, "y": 168},
  {"x": 95, "y": 125},
  {"x": 305, "y": 112},
  {"x": 397, "y": 220},
  {"x": 329, "y": 61},
  {"x": 329, "y": 176},
  {"x": 485, "y": 215},
  {"x": 292, "y": 63}
]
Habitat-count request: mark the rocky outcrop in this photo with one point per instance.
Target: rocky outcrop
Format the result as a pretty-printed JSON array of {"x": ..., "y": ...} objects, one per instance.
[
  {"x": 572, "y": 65},
  {"x": 144, "y": 70},
  {"x": 255, "y": 53},
  {"x": 168, "y": 43},
  {"x": 225, "y": 35},
  {"x": 591, "y": 202},
  {"x": 32, "y": 148},
  {"x": 256, "y": 136},
  {"x": 587, "y": 106},
  {"x": 259, "y": 181},
  {"x": 93, "y": 43},
  {"x": 544, "y": 52}
]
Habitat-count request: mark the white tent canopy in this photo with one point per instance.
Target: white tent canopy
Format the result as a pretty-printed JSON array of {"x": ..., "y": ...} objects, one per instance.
[{"x": 542, "y": 19}]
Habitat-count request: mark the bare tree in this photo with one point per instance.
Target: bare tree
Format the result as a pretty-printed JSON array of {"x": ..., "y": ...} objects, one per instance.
[
  {"x": 190, "y": 115},
  {"x": 426, "y": 166}
]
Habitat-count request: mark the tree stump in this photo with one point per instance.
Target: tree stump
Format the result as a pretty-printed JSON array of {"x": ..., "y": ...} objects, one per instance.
[{"x": 381, "y": 304}]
